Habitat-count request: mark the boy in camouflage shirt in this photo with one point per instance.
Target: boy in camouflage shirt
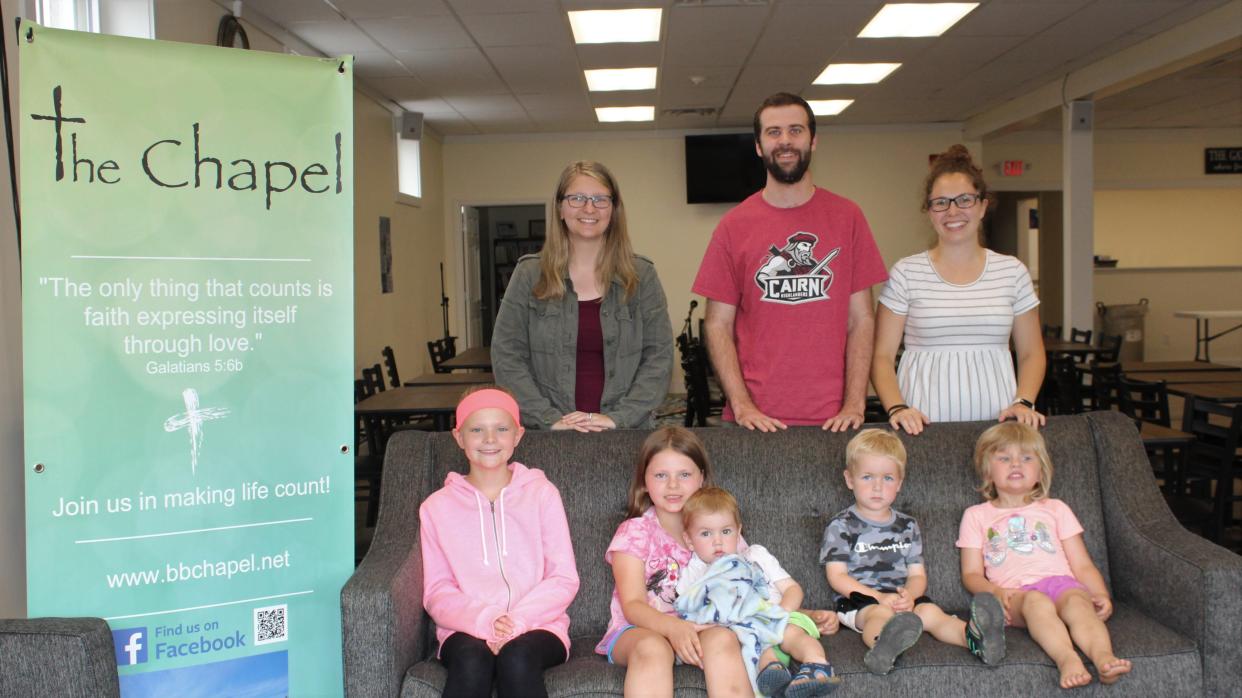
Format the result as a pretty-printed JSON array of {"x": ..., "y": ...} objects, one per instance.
[{"x": 873, "y": 556}]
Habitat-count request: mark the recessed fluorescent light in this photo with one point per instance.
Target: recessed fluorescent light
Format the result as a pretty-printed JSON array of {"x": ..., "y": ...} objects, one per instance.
[
  {"x": 855, "y": 73},
  {"x": 615, "y": 26},
  {"x": 625, "y": 113},
  {"x": 611, "y": 80},
  {"x": 829, "y": 107},
  {"x": 905, "y": 19}
]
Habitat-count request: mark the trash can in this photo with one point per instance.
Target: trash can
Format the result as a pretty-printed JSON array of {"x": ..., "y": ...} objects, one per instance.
[{"x": 1125, "y": 320}]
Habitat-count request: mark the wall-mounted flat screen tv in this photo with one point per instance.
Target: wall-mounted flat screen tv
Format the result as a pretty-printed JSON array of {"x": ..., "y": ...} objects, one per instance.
[{"x": 722, "y": 168}]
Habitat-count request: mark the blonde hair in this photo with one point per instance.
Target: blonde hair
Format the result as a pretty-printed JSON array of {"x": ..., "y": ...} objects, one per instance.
[
  {"x": 616, "y": 260},
  {"x": 1004, "y": 435},
  {"x": 676, "y": 439},
  {"x": 710, "y": 500},
  {"x": 876, "y": 442}
]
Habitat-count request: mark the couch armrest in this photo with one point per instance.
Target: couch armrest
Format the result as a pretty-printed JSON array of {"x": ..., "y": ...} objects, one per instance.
[
  {"x": 71, "y": 657},
  {"x": 382, "y": 617},
  {"x": 1182, "y": 580}
]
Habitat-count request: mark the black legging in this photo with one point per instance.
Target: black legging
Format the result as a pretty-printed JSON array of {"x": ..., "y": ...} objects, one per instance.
[{"x": 517, "y": 670}]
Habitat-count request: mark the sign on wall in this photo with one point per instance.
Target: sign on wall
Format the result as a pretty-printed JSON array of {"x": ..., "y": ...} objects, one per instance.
[
  {"x": 1222, "y": 161},
  {"x": 188, "y": 339}
]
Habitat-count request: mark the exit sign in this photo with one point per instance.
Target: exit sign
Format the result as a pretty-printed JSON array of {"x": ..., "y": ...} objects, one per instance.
[{"x": 1013, "y": 168}]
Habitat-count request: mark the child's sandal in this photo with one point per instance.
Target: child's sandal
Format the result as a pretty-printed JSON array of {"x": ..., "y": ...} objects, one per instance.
[
  {"x": 773, "y": 679},
  {"x": 813, "y": 679}
]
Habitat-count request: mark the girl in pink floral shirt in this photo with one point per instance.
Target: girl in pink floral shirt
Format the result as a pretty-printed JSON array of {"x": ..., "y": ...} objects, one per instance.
[{"x": 647, "y": 558}]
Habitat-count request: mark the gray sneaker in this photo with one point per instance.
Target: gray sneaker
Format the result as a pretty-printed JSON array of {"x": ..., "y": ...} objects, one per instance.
[{"x": 898, "y": 635}]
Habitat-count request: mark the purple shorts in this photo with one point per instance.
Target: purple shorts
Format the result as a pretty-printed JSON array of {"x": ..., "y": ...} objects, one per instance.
[{"x": 1054, "y": 587}]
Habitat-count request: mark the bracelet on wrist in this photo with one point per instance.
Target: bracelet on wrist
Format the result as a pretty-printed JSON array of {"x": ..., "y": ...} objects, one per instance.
[
  {"x": 1025, "y": 403},
  {"x": 897, "y": 408}
]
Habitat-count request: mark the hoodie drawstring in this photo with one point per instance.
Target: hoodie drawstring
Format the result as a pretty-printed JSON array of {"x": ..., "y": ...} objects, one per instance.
[
  {"x": 482, "y": 536},
  {"x": 504, "y": 527}
]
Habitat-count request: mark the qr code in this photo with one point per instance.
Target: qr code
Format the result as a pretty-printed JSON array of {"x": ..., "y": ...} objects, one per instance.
[{"x": 271, "y": 624}]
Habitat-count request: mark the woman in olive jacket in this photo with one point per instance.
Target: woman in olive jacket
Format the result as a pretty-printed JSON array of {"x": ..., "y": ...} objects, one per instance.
[{"x": 583, "y": 337}]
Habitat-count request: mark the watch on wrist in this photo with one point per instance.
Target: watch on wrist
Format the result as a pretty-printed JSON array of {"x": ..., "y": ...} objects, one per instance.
[{"x": 1025, "y": 403}]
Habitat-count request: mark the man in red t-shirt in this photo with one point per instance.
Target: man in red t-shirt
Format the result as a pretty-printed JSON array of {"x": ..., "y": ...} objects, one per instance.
[{"x": 788, "y": 277}]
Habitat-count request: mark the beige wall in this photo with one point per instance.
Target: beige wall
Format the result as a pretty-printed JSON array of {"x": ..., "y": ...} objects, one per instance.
[
  {"x": 1171, "y": 338},
  {"x": 1154, "y": 206},
  {"x": 1170, "y": 227},
  {"x": 881, "y": 169}
]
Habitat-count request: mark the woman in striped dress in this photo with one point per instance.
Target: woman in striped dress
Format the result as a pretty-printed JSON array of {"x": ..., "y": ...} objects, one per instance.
[{"x": 957, "y": 305}]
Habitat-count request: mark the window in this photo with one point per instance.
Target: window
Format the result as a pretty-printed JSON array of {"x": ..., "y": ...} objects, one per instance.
[
  {"x": 409, "y": 167},
  {"x": 120, "y": 17}
]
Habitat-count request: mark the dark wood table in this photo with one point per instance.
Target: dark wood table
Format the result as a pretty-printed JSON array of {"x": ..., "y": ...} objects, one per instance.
[
  {"x": 474, "y": 357},
  {"x": 436, "y": 401},
  {"x": 463, "y": 379},
  {"x": 1148, "y": 366},
  {"x": 1175, "y": 377},
  {"x": 1065, "y": 346},
  {"x": 1220, "y": 392}
]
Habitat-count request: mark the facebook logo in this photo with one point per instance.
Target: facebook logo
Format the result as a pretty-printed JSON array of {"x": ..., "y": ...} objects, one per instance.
[{"x": 131, "y": 646}]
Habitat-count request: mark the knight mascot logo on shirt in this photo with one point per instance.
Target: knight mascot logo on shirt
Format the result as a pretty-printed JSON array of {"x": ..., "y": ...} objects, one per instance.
[{"x": 793, "y": 275}]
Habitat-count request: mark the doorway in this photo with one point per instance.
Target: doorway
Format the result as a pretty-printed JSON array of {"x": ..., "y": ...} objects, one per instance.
[
  {"x": 494, "y": 238},
  {"x": 1027, "y": 225}
]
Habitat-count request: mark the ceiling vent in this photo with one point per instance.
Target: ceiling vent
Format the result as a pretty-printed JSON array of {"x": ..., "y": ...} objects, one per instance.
[
  {"x": 690, "y": 111},
  {"x": 721, "y": 3}
]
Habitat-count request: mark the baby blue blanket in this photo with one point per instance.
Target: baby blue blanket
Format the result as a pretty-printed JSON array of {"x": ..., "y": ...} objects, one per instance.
[{"x": 734, "y": 593}]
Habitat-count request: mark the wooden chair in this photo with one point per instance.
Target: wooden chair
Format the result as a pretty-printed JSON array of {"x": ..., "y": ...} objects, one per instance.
[
  {"x": 1110, "y": 349},
  {"x": 1148, "y": 401},
  {"x": 1052, "y": 331},
  {"x": 1105, "y": 383},
  {"x": 1084, "y": 336},
  {"x": 390, "y": 365},
  {"x": 1062, "y": 391},
  {"x": 373, "y": 378},
  {"x": 442, "y": 350},
  {"x": 1214, "y": 456}
]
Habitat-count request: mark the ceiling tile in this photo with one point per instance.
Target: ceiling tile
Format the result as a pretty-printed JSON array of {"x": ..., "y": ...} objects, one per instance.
[
  {"x": 490, "y": 7},
  {"x": 716, "y": 35},
  {"x": 1012, "y": 18},
  {"x": 417, "y": 33},
  {"x": 808, "y": 33},
  {"x": 487, "y": 105},
  {"x": 400, "y": 89},
  {"x": 377, "y": 64},
  {"x": 619, "y": 55},
  {"x": 377, "y": 9},
  {"x": 431, "y": 107},
  {"x": 286, "y": 12},
  {"x": 537, "y": 68},
  {"x": 881, "y": 50},
  {"x": 519, "y": 29},
  {"x": 454, "y": 71},
  {"x": 333, "y": 37},
  {"x": 569, "y": 101}
]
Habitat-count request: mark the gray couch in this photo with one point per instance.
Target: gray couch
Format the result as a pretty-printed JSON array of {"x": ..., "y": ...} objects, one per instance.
[
  {"x": 1178, "y": 597},
  {"x": 64, "y": 657}
]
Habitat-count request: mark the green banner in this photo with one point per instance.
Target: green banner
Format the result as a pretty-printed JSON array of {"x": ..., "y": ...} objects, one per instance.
[{"x": 188, "y": 340}]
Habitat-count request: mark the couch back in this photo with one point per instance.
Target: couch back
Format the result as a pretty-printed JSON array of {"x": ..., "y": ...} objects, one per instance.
[{"x": 788, "y": 485}]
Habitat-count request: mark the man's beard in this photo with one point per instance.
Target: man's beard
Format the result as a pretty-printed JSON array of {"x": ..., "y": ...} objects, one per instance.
[{"x": 792, "y": 176}]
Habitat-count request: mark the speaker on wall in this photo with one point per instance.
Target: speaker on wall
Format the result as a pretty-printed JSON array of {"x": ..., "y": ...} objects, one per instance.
[
  {"x": 1082, "y": 115},
  {"x": 410, "y": 125}
]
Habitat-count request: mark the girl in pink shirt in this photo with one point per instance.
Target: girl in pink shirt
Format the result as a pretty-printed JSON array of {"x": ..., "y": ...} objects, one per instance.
[
  {"x": 498, "y": 565},
  {"x": 647, "y": 555},
  {"x": 1027, "y": 549}
]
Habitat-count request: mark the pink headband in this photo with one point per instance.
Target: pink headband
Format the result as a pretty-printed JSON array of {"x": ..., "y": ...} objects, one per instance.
[{"x": 482, "y": 399}]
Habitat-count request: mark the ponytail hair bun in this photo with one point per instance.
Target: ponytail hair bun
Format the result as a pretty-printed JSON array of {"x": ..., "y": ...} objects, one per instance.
[{"x": 955, "y": 160}]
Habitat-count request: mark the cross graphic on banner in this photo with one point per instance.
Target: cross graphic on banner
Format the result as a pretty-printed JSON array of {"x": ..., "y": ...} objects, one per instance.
[{"x": 192, "y": 421}]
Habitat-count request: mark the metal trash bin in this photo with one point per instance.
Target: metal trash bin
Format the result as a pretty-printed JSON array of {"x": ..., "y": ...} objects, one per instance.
[{"x": 1126, "y": 320}]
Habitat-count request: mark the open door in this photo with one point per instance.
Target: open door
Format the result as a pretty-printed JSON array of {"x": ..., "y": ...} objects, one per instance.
[{"x": 474, "y": 294}]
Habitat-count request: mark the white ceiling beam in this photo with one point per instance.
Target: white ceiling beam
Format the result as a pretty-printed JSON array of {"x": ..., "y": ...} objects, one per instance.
[{"x": 1200, "y": 39}]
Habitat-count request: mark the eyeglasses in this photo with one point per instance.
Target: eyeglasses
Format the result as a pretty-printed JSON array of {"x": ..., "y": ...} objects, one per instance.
[
  {"x": 941, "y": 203},
  {"x": 579, "y": 200}
]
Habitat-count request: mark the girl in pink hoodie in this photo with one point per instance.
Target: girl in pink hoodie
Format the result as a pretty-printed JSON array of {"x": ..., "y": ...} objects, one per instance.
[{"x": 498, "y": 565}]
